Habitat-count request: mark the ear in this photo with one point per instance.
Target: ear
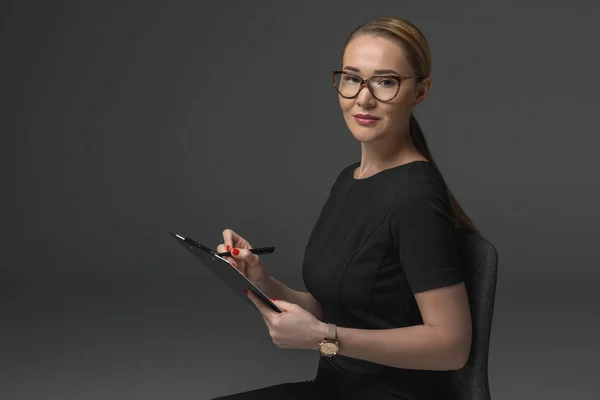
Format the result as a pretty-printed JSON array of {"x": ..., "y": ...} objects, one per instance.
[{"x": 423, "y": 89}]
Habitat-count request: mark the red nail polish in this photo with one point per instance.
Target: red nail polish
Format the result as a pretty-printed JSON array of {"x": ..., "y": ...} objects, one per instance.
[
  {"x": 234, "y": 264},
  {"x": 246, "y": 291},
  {"x": 272, "y": 299},
  {"x": 235, "y": 252},
  {"x": 228, "y": 248}
]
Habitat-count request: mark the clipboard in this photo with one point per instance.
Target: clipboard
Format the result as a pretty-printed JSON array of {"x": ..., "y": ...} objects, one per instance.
[{"x": 225, "y": 271}]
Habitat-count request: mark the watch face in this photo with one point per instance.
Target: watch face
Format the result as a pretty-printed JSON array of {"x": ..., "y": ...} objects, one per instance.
[{"x": 329, "y": 348}]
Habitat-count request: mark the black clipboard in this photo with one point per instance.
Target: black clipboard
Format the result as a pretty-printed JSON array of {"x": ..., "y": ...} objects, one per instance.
[{"x": 225, "y": 271}]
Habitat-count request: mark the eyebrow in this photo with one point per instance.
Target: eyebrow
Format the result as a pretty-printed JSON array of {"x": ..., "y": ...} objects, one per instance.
[{"x": 377, "y": 71}]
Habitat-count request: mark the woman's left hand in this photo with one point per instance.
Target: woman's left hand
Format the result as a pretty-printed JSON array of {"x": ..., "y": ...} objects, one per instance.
[{"x": 294, "y": 328}]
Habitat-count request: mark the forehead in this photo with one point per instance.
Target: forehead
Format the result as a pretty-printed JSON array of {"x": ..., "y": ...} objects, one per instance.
[{"x": 369, "y": 53}]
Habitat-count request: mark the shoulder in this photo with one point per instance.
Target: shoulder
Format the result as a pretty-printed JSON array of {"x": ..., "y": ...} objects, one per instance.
[
  {"x": 346, "y": 173},
  {"x": 343, "y": 177},
  {"x": 423, "y": 189}
]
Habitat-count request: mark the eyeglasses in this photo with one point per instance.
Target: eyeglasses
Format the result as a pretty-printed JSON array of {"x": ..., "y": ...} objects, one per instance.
[{"x": 382, "y": 87}]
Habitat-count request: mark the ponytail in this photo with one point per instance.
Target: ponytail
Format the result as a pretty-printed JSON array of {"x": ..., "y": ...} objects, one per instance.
[{"x": 460, "y": 218}]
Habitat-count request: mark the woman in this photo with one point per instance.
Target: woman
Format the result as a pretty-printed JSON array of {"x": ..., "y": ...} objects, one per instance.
[{"x": 386, "y": 304}]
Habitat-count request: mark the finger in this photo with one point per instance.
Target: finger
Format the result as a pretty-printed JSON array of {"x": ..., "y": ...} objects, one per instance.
[
  {"x": 230, "y": 237},
  {"x": 246, "y": 256},
  {"x": 284, "y": 305},
  {"x": 236, "y": 239},
  {"x": 221, "y": 249}
]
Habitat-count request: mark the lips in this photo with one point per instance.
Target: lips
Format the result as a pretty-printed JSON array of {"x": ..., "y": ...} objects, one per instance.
[
  {"x": 366, "y": 116},
  {"x": 366, "y": 119}
]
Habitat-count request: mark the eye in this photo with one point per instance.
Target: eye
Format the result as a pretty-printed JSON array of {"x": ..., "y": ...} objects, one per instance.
[
  {"x": 351, "y": 79},
  {"x": 386, "y": 82}
]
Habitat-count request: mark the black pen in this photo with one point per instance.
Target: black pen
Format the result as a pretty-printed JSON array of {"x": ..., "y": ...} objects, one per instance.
[{"x": 258, "y": 250}]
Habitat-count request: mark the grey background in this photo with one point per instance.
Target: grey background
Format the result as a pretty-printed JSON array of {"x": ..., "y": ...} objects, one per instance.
[{"x": 122, "y": 121}]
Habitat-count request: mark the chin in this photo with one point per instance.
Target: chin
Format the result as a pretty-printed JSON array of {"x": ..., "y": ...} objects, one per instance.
[{"x": 365, "y": 135}]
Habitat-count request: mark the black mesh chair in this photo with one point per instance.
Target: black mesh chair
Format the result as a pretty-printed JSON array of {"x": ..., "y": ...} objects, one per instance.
[{"x": 480, "y": 260}]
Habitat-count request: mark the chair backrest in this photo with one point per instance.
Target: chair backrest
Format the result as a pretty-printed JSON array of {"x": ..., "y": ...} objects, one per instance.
[{"x": 480, "y": 262}]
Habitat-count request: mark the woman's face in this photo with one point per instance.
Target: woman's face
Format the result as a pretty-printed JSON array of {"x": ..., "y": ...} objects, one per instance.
[{"x": 368, "y": 55}]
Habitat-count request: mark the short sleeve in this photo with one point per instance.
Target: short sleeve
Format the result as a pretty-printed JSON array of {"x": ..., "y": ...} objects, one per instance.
[{"x": 425, "y": 236}]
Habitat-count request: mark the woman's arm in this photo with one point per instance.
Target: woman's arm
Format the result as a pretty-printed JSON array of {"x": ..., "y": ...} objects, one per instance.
[
  {"x": 441, "y": 343},
  {"x": 278, "y": 290}
]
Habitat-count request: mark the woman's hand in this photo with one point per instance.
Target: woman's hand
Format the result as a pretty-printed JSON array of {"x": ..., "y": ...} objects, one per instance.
[
  {"x": 294, "y": 328},
  {"x": 247, "y": 263}
]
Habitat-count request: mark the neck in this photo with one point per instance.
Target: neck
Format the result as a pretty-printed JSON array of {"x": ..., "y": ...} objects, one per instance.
[{"x": 386, "y": 153}]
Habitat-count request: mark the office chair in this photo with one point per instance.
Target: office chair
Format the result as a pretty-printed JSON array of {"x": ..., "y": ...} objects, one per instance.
[{"x": 480, "y": 262}]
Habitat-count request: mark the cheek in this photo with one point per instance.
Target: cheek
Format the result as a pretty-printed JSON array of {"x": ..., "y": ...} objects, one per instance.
[
  {"x": 403, "y": 103},
  {"x": 395, "y": 114},
  {"x": 346, "y": 104},
  {"x": 391, "y": 112},
  {"x": 398, "y": 110}
]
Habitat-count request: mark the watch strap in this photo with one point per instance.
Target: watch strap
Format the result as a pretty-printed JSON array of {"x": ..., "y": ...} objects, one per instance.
[{"x": 331, "y": 332}]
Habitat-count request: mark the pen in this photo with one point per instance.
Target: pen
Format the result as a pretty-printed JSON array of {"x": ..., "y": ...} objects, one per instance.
[{"x": 258, "y": 250}]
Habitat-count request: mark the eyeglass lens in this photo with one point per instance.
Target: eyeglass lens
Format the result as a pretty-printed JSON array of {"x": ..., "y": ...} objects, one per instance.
[{"x": 384, "y": 88}]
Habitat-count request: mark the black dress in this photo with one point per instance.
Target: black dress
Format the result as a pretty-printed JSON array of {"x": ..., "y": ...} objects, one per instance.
[{"x": 377, "y": 242}]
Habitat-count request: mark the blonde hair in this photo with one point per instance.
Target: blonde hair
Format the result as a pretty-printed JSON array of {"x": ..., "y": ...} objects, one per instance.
[{"x": 417, "y": 49}]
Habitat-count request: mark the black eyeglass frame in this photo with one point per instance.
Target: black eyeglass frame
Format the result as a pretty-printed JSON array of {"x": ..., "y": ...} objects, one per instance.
[{"x": 367, "y": 83}]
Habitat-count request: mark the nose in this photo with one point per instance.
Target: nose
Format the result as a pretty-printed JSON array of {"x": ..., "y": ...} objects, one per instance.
[{"x": 365, "y": 99}]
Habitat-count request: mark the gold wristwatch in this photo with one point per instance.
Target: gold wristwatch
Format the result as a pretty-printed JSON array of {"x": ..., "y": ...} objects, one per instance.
[{"x": 330, "y": 346}]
